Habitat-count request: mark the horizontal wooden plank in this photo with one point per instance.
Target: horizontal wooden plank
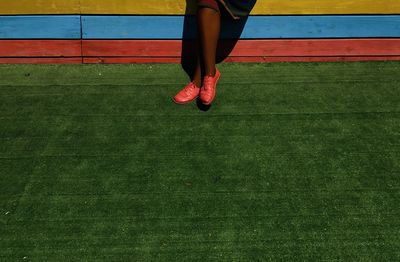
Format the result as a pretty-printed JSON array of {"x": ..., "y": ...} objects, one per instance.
[
  {"x": 40, "y": 60},
  {"x": 178, "y": 48},
  {"x": 171, "y": 51},
  {"x": 237, "y": 59},
  {"x": 40, "y": 48},
  {"x": 244, "y": 48},
  {"x": 10, "y": 7},
  {"x": 40, "y": 27},
  {"x": 180, "y": 7},
  {"x": 126, "y": 60},
  {"x": 178, "y": 27}
]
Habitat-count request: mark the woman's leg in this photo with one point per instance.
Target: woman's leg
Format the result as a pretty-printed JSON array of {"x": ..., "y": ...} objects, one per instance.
[
  {"x": 208, "y": 28},
  {"x": 197, "y": 77},
  {"x": 209, "y": 23}
]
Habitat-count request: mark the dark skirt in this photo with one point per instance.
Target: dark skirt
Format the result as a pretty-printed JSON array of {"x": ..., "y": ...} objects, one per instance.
[
  {"x": 236, "y": 8},
  {"x": 214, "y": 4}
]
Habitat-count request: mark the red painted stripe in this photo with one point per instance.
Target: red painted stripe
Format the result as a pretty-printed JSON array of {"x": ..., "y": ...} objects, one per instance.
[
  {"x": 244, "y": 59},
  {"x": 170, "y": 51},
  {"x": 255, "y": 48},
  {"x": 124, "y": 60},
  {"x": 39, "y": 48},
  {"x": 40, "y": 60}
]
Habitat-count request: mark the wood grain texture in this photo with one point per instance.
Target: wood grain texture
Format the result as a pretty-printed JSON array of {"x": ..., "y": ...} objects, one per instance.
[
  {"x": 171, "y": 51},
  {"x": 252, "y": 59},
  {"x": 40, "y": 60},
  {"x": 180, "y": 7},
  {"x": 173, "y": 48},
  {"x": 299, "y": 50},
  {"x": 40, "y": 27},
  {"x": 40, "y": 48},
  {"x": 178, "y": 27},
  {"x": 245, "y": 48},
  {"x": 17, "y": 7}
]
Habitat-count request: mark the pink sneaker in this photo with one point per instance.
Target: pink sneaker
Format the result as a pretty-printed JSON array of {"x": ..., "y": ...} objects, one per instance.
[
  {"x": 207, "y": 92},
  {"x": 187, "y": 94}
]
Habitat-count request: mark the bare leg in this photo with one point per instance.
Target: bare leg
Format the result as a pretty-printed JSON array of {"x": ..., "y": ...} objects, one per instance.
[
  {"x": 197, "y": 74},
  {"x": 209, "y": 24}
]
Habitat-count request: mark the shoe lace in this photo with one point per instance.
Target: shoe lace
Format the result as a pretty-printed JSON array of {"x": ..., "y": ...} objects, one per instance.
[
  {"x": 189, "y": 88},
  {"x": 208, "y": 83}
]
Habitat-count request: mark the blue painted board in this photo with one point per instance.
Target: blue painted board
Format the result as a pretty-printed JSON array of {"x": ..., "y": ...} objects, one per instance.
[
  {"x": 40, "y": 27},
  {"x": 178, "y": 27}
]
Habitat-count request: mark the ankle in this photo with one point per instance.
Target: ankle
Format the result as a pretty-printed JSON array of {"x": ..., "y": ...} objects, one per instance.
[
  {"x": 197, "y": 82},
  {"x": 211, "y": 72}
]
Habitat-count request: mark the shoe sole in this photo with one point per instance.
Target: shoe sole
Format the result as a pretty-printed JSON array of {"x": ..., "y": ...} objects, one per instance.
[
  {"x": 183, "y": 103},
  {"x": 212, "y": 99}
]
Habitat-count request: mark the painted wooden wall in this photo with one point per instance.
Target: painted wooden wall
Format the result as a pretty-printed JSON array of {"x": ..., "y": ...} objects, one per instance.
[{"x": 136, "y": 31}]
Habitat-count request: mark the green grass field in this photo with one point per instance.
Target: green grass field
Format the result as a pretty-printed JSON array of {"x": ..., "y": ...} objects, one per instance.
[{"x": 292, "y": 162}]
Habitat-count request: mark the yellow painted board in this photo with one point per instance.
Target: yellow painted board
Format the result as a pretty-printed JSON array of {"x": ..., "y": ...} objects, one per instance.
[
  {"x": 179, "y": 7},
  {"x": 16, "y": 7},
  {"x": 263, "y": 7}
]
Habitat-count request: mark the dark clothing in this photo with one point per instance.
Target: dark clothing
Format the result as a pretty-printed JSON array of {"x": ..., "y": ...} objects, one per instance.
[
  {"x": 214, "y": 4},
  {"x": 236, "y": 8}
]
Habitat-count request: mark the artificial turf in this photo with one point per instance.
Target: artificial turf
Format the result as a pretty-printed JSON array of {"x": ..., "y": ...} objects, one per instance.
[{"x": 293, "y": 161}]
